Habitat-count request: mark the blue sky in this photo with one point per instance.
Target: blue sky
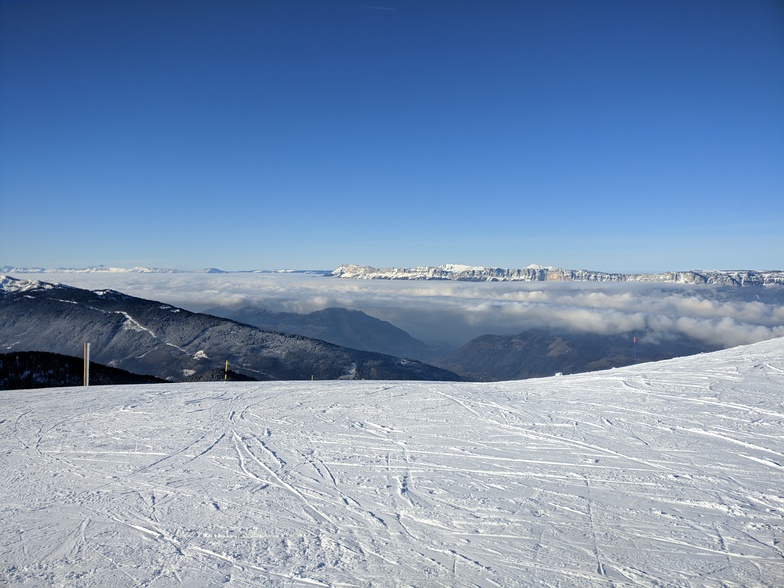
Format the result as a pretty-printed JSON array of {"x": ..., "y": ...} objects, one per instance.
[{"x": 611, "y": 135}]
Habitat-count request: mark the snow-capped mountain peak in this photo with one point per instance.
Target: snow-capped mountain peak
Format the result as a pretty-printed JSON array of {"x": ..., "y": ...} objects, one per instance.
[{"x": 9, "y": 285}]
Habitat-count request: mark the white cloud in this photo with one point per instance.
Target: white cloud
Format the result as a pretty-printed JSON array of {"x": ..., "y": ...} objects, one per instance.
[{"x": 458, "y": 311}]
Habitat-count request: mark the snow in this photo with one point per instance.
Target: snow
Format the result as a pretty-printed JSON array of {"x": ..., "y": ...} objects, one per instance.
[
  {"x": 658, "y": 474},
  {"x": 9, "y": 284},
  {"x": 536, "y": 266},
  {"x": 457, "y": 267},
  {"x": 538, "y": 273}
]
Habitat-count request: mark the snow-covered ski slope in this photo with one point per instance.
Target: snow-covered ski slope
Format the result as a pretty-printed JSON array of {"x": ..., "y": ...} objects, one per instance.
[{"x": 666, "y": 474}]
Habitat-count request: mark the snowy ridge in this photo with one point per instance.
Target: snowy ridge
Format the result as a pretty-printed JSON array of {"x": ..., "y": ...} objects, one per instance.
[
  {"x": 539, "y": 273},
  {"x": 659, "y": 474},
  {"x": 13, "y": 285}
]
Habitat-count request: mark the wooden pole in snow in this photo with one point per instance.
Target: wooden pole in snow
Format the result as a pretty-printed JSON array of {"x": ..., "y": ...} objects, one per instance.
[{"x": 86, "y": 364}]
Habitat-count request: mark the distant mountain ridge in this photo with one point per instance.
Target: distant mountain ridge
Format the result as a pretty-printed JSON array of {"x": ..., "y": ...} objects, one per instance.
[
  {"x": 97, "y": 269},
  {"x": 538, "y": 273},
  {"x": 465, "y": 273},
  {"x": 9, "y": 269},
  {"x": 347, "y": 328},
  {"x": 148, "y": 337},
  {"x": 143, "y": 336},
  {"x": 539, "y": 353}
]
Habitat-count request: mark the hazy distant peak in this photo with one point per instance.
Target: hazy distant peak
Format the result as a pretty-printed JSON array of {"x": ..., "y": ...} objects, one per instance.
[{"x": 93, "y": 269}]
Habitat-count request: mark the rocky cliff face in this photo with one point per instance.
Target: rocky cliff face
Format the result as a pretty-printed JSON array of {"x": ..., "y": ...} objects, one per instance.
[{"x": 537, "y": 273}]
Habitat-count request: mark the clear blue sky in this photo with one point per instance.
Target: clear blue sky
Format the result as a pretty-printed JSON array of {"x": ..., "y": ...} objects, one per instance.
[{"x": 616, "y": 135}]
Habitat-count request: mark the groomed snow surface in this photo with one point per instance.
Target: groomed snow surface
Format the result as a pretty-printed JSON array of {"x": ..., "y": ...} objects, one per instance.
[{"x": 667, "y": 474}]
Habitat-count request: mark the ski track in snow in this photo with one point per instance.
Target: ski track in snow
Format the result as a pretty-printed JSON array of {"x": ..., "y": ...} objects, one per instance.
[{"x": 660, "y": 474}]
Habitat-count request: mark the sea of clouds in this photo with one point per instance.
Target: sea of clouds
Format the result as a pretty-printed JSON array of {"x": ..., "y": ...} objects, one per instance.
[{"x": 455, "y": 312}]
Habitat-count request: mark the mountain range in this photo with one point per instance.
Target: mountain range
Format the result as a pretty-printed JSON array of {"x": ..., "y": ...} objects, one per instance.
[
  {"x": 103, "y": 269},
  {"x": 539, "y": 353},
  {"x": 529, "y": 354},
  {"x": 538, "y": 273},
  {"x": 347, "y": 328},
  {"x": 148, "y": 337},
  {"x": 458, "y": 272}
]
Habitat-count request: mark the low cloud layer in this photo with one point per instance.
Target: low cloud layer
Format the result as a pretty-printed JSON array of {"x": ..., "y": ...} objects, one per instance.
[{"x": 455, "y": 312}]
